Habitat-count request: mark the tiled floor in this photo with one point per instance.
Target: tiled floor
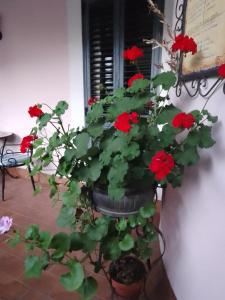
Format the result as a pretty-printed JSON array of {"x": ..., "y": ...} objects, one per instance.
[{"x": 25, "y": 210}]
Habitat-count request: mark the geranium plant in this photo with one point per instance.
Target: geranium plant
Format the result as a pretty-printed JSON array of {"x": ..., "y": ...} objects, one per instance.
[{"x": 130, "y": 141}]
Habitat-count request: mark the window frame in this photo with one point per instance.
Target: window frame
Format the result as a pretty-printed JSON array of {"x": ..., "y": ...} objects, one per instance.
[{"x": 118, "y": 45}]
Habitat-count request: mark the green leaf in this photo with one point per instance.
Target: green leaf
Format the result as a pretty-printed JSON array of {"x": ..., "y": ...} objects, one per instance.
[
  {"x": 132, "y": 221},
  {"x": 210, "y": 118},
  {"x": 36, "y": 143},
  {"x": 148, "y": 210},
  {"x": 32, "y": 232},
  {"x": 60, "y": 108},
  {"x": 70, "y": 154},
  {"x": 206, "y": 140},
  {"x": 60, "y": 241},
  {"x": 95, "y": 113},
  {"x": 44, "y": 119},
  {"x": 70, "y": 197},
  {"x": 44, "y": 240},
  {"x": 34, "y": 265},
  {"x": 189, "y": 156},
  {"x": 127, "y": 243},
  {"x": 95, "y": 130},
  {"x": 165, "y": 79},
  {"x": 80, "y": 241},
  {"x": 193, "y": 138},
  {"x": 167, "y": 135},
  {"x": 15, "y": 240},
  {"x": 118, "y": 170},
  {"x": 132, "y": 151},
  {"x": 115, "y": 191},
  {"x": 167, "y": 114},
  {"x": 82, "y": 143},
  {"x": 121, "y": 225},
  {"x": 39, "y": 152},
  {"x": 94, "y": 170},
  {"x": 66, "y": 217},
  {"x": 99, "y": 230},
  {"x": 73, "y": 279},
  {"x": 111, "y": 249},
  {"x": 138, "y": 85},
  {"x": 88, "y": 288}
]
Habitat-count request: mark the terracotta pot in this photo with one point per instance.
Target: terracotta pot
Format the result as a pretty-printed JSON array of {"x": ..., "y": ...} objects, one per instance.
[
  {"x": 128, "y": 205},
  {"x": 129, "y": 291},
  {"x": 127, "y": 276}
]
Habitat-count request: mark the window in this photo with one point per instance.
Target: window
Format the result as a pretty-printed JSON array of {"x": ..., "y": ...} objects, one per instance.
[{"x": 109, "y": 27}]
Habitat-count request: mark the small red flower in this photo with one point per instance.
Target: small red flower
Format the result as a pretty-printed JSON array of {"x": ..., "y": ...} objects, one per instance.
[
  {"x": 123, "y": 121},
  {"x": 161, "y": 164},
  {"x": 178, "y": 120},
  {"x": 135, "y": 77},
  {"x": 27, "y": 142},
  {"x": 35, "y": 111},
  {"x": 183, "y": 120},
  {"x": 134, "y": 117},
  {"x": 133, "y": 53},
  {"x": 92, "y": 101},
  {"x": 185, "y": 44},
  {"x": 221, "y": 71}
]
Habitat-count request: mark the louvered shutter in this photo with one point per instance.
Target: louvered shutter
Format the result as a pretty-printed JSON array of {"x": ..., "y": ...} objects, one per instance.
[
  {"x": 138, "y": 24},
  {"x": 109, "y": 26},
  {"x": 101, "y": 47}
]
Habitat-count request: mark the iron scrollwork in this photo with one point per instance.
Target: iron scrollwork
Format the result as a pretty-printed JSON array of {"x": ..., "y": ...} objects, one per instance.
[{"x": 194, "y": 84}]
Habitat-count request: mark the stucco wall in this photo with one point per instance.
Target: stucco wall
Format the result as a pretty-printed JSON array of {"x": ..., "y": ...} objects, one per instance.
[
  {"x": 193, "y": 216},
  {"x": 40, "y": 60}
]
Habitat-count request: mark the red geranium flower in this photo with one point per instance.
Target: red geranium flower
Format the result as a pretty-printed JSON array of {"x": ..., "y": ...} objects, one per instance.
[
  {"x": 135, "y": 77},
  {"x": 133, "y": 53},
  {"x": 134, "y": 117},
  {"x": 162, "y": 163},
  {"x": 221, "y": 71},
  {"x": 92, "y": 101},
  {"x": 123, "y": 121},
  {"x": 27, "y": 142},
  {"x": 183, "y": 120},
  {"x": 35, "y": 111},
  {"x": 185, "y": 44}
]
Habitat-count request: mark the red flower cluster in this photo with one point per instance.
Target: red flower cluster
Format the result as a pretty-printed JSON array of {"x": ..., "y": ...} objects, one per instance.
[
  {"x": 135, "y": 77},
  {"x": 162, "y": 163},
  {"x": 133, "y": 53},
  {"x": 92, "y": 101},
  {"x": 185, "y": 44},
  {"x": 123, "y": 121},
  {"x": 27, "y": 142},
  {"x": 221, "y": 71},
  {"x": 35, "y": 111},
  {"x": 183, "y": 120}
]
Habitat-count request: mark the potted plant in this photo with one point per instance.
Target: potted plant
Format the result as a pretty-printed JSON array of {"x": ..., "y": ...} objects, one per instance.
[{"x": 113, "y": 165}]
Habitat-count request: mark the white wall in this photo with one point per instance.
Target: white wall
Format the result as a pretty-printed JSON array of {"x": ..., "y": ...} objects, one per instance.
[
  {"x": 193, "y": 219},
  {"x": 40, "y": 60}
]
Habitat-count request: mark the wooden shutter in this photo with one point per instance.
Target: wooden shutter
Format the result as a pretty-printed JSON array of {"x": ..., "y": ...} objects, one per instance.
[
  {"x": 101, "y": 47},
  {"x": 138, "y": 24}
]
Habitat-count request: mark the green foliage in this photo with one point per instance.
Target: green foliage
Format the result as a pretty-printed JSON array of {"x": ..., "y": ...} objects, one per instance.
[
  {"x": 148, "y": 210},
  {"x": 60, "y": 108},
  {"x": 88, "y": 288},
  {"x": 116, "y": 160},
  {"x": 34, "y": 265},
  {"x": 73, "y": 279},
  {"x": 165, "y": 79},
  {"x": 127, "y": 243},
  {"x": 81, "y": 143}
]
